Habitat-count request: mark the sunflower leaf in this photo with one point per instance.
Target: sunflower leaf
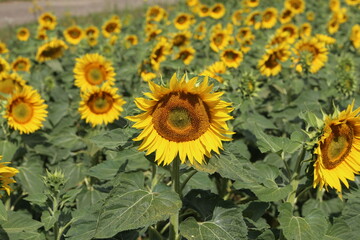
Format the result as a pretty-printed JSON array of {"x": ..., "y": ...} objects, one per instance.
[
  {"x": 111, "y": 139},
  {"x": 226, "y": 224}
]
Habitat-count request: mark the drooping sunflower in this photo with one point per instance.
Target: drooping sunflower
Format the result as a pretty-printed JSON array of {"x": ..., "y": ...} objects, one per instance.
[
  {"x": 231, "y": 57},
  {"x": 313, "y": 52},
  {"x": 159, "y": 53},
  {"x": 337, "y": 152},
  {"x": 47, "y": 21},
  {"x": 4, "y": 65},
  {"x": 10, "y": 82},
  {"x": 131, "y": 40},
  {"x": 355, "y": 36},
  {"x": 21, "y": 64},
  {"x": 181, "y": 38},
  {"x": 3, "y": 48},
  {"x": 6, "y": 176},
  {"x": 333, "y": 24},
  {"x": 286, "y": 15},
  {"x": 296, "y": 6},
  {"x": 25, "y": 110},
  {"x": 269, "y": 17},
  {"x": 91, "y": 70},
  {"x": 184, "y": 119},
  {"x": 183, "y": 21},
  {"x": 74, "y": 34},
  {"x": 217, "y": 11},
  {"x": 214, "y": 70},
  {"x": 111, "y": 26},
  {"x": 101, "y": 105},
  {"x": 92, "y": 41},
  {"x": 186, "y": 54},
  {"x": 51, "y": 50},
  {"x": 23, "y": 34}
]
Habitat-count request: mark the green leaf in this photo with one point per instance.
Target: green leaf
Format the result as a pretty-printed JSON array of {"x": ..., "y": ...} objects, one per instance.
[
  {"x": 3, "y": 213},
  {"x": 49, "y": 220},
  {"x": 20, "y": 226},
  {"x": 55, "y": 65},
  {"x": 313, "y": 226},
  {"x": 351, "y": 212},
  {"x": 339, "y": 230},
  {"x": 128, "y": 206},
  {"x": 29, "y": 177},
  {"x": 7, "y": 150},
  {"x": 226, "y": 224},
  {"x": 112, "y": 139}
]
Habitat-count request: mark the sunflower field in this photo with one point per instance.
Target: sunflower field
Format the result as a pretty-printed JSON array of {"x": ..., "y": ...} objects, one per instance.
[{"x": 200, "y": 120}]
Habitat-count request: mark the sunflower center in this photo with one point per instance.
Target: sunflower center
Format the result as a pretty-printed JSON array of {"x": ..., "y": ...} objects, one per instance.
[
  {"x": 218, "y": 39},
  {"x": 181, "y": 117},
  {"x": 111, "y": 27},
  {"x": 179, "y": 40},
  {"x": 184, "y": 55},
  {"x": 181, "y": 20},
  {"x": 231, "y": 56},
  {"x": 337, "y": 146},
  {"x": 74, "y": 33},
  {"x": 267, "y": 16},
  {"x": 100, "y": 103},
  {"x": 271, "y": 62},
  {"x": 22, "y": 112},
  {"x": 20, "y": 66},
  {"x": 95, "y": 74},
  {"x": 217, "y": 9},
  {"x": 2, "y": 67},
  {"x": 52, "y": 52}
]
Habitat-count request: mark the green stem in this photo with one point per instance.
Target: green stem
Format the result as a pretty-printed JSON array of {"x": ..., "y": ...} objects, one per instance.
[
  {"x": 183, "y": 184},
  {"x": 174, "y": 219}
]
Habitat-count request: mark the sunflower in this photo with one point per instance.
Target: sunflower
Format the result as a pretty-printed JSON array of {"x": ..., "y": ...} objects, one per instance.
[
  {"x": 244, "y": 33},
  {"x": 325, "y": 39},
  {"x": 74, "y": 34},
  {"x": 92, "y": 69},
  {"x": 313, "y": 52},
  {"x": 310, "y": 16},
  {"x": 352, "y": 2},
  {"x": 10, "y": 82},
  {"x": 23, "y": 34},
  {"x": 4, "y": 65},
  {"x": 305, "y": 30},
  {"x": 333, "y": 24},
  {"x": 3, "y": 48},
  {"x": 252, "y": 3},
  {"x": 186, "y": 54},
  {"x": 269, "y": 64},
  {"x": 269, "y": 17},
  {"x": 152, "y": 32},
  {"x": 334, "y": 5},
  {"x": 184, "y": 119},
  {"x": 200, "y": 31},
  {"x": 131, "y": 40},
  {"x": 296, "y": 6},
  {"x": 237, "y": 17},
  {"x": 254, "y": 19},
  {"x": 155, "y": 13},
  {"x": 355, "y": 36},
  {"x": 219, "y": 39},
  {"x": 181, "y": 38},
  {"x": 202, "y": 10},
  {"x": 101, "y": 105},
  {"x": 41, "y": 34},
  {"x": 21, "y": 64},
  {"x": 214, "y": 70},
  {"x": 159, "y": 53},
  {"x": 217, "y": 11},
  {"x": 231, "y": 57},
  {"x": 6, "y": 174},
  {"x": 92, "y": 41},
  {"x": 51, "y": 50},
  {"x": 111, "y": 26},
  {"x": 183, "y": 21},
  {"x": 286, "y": 15},
  {"x": 337, "y": 151},
  {"x": 25, "y": 110},
  {"x": 92, "y": 31},
  {"x": 192, "y": 3},
  {"x": 47, "y": 21},
  {"x": 291, "y": 31},
  {"x": 144, "y": 71}
]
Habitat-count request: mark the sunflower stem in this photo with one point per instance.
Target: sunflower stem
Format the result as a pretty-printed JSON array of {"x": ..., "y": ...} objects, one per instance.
[
  {"x": 174, "y": 219},
  {"x": 183, "y": 184}
]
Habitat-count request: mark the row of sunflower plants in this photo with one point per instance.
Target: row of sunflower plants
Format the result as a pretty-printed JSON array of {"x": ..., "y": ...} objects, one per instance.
[{"x": 199, "y": 120}]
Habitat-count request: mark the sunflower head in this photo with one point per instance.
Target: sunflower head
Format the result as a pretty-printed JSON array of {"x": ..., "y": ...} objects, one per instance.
[
  {"x": 6, "y": 176},
  {"x": 3, "y": 48},
  {"x": 92, "y": 31},
  {"x": 21, "y": 64},
  {"x": 231, "y": 57},
  {"x": 25, "y": 111},
  {"x": 10, "y": 82},
  {"x": 337, "y": 150},
  {"x": 74, "y": 34},
  {"x": 183, "y": 21},
  {"x": 269, "y": 17},
  {"x": 131, "y": 40},
  {"x": 47, "y": 21},
  {"x": 202, "y": 10},
  {"x": 23, "y": 34},
  {"x": 4, "y": 65},
  {"x": 186, "y": 54},
  {"x": 183, "y": 119},
  {"x": 111, "y": 26},
  {"x": 51, "y": 50},
  {"x": 217, "y": 11}
]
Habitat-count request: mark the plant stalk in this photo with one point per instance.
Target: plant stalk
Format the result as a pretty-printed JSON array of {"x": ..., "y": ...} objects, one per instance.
[{"x": 174, "y": 220}]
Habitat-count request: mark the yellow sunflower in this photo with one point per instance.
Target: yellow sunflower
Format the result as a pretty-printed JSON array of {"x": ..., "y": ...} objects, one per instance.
[
  {"x": 186, "y": 54},
  {"x": 269, "y": 64},
  {"x": 183, "y": 21},
  {"x": 21, "y": 64},
  {"x": 252, "y": 3},
  {"x": 219, "y": 39},
  {"x": 74, "y": 34},
  {"x": 334, "y": 5},
  {"x": 111, "y": 26},
  {"x": 214, "y": 70},
  {"x": 286, "y": 15},
  {"x": 217, "y": 11},
  {"x": 337, "y": 152},
  {"x": 355, "y": 36},
  {"x": 101, "y": 105},
  {"x": 10, "y": 82},
  {"x": 243, "y": 34},
  {"x": 131, "y": 40},
  {"x": 200, "y": 31},
  {"x": 313, "y": 52},
  {"x": 23, "y": 34},
  {"x": 6, "y": 174},
  {"x": 25, "y": 111},
  {"x": 333, "y": 24},
  {"x": 237, "y": 17},
  {"x": 269, "y": 17},
  {"x": 290, "y": 31},
  {"x": 325, "y": 39},
  {"x": 184, "y": 119},
  {"x": 41, "y": 34},
  {"x": 254, "y": 19},
  {"x": 310, "y": 16},
  {"x": 47, "y": 21},
  {"x": 91, "y": 70},
  {"x": 145, "y": 71},
  {"x": 92, "y": 31},
  {"x": 305, "y": 30},
  {"x": 3, "y": 48},
  {"x": 4, "y": 65},
  {"x": 92, "y": 41},
  {"x": 51, "y": 50},
  {"x": 202, "y": 10},
  {"x": 352, "y": 2},
  {"x": 181, "y": 38},
  {"x": 231, "y": 57},
  {"x": 296, "y": 6},
  {"x": 155, "y": 13},
  {"x": 159, "y": 53}
]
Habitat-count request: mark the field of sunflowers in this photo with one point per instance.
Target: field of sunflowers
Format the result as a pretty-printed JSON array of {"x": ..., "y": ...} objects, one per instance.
[{"x": 201, "y": 120}]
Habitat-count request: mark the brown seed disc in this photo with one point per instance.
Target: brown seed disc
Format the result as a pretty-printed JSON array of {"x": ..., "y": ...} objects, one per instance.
[{"x": 100, "y": 103}]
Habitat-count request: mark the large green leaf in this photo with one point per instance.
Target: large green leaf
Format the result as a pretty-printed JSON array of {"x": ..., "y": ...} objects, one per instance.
[
  {"x": 128, "y": 206},
  {"x": 226, "y": 224},
  {"x": 112, "y": 139},
  {"x": 29, "y": 177},
  {"x": 312, "y": 226},
  {"x": 7, "y": 150}
]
